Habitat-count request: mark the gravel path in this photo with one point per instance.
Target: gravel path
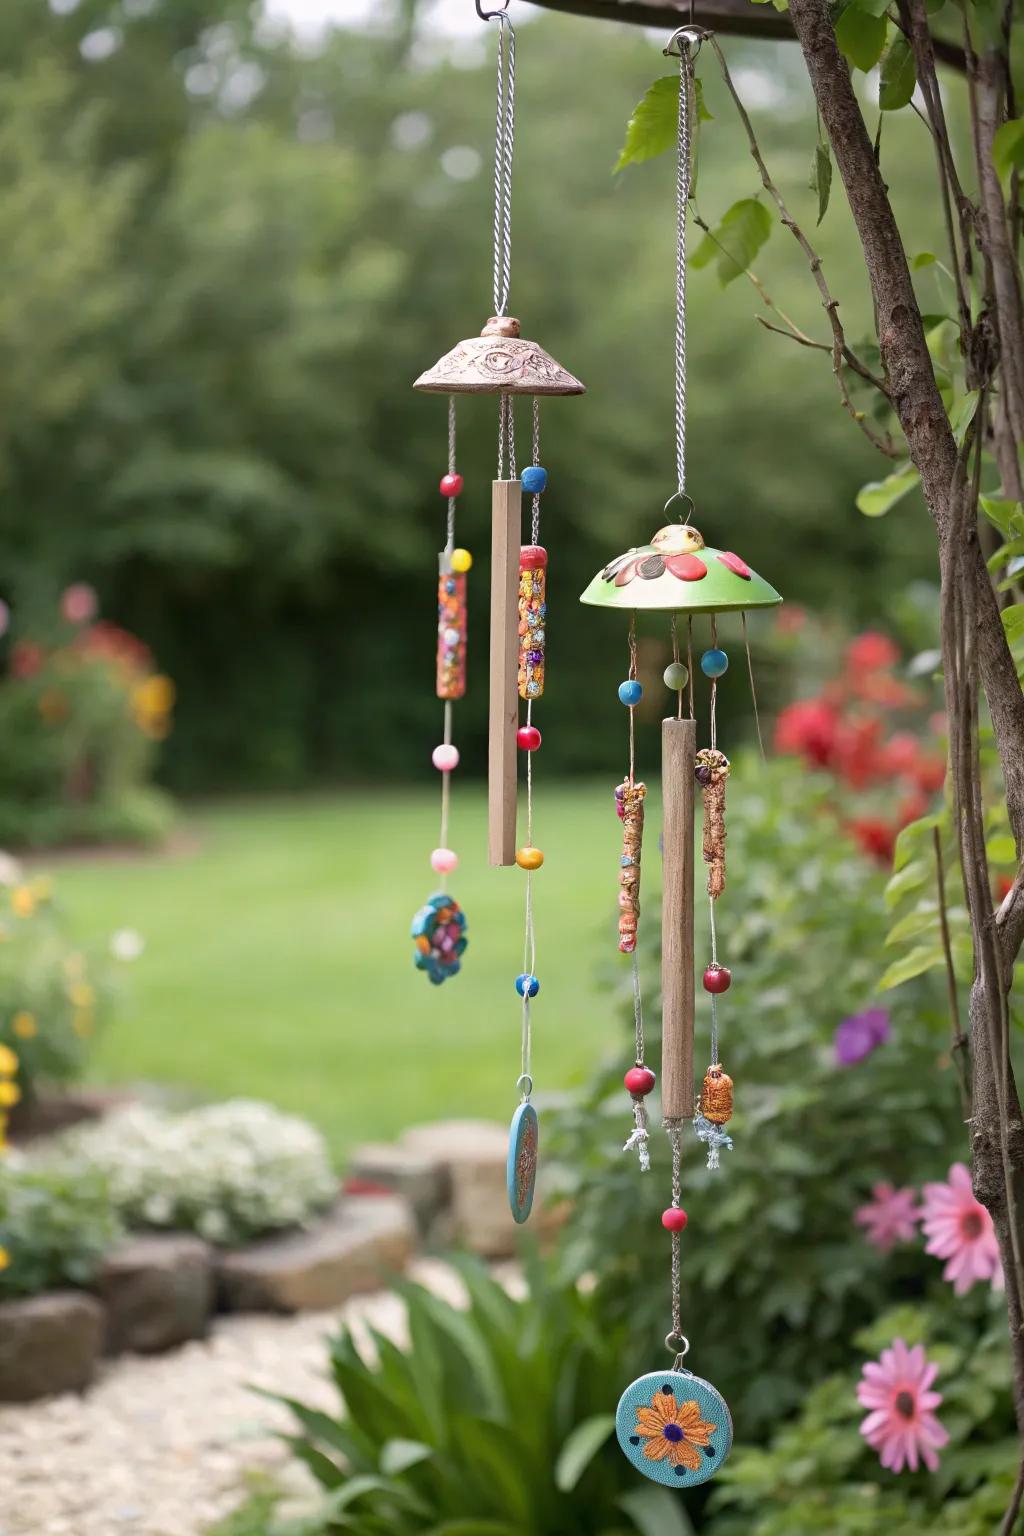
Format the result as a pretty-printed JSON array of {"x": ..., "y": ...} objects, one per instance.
[{"x": 160, "y": 1445}]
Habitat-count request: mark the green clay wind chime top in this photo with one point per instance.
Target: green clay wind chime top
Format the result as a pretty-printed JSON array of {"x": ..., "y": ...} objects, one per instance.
[
  {"x": 673, "y": 1426},
  {"x": 500, "y": 361}
]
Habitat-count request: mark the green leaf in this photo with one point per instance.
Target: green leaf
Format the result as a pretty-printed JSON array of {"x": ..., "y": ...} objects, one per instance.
[
  {"x": 655, "y": 122},
  {"x": 580, "y": 1448},
  {"x": 923, "y": 957},
  {"x": 398, "y": 1455},
  {"x": 1008, "y": 147},
  {"x": 734, "y": 244},
  {"x": 656, "y": 1512},
  {"x": 924, "y": 920},
  {"x": 821, "y": 176},
  {"x": 963, "y": 413},
  {"x": 1002, "y": 849},
  {"x": 1013, "y": 621},
  {"x": 898, "y": 76},
  {"x": 910, "y": 879},
  {"x": 880, "y": 496},
  {"x": 1007, "y": 516},
  {"x": 861, "y": 37},
  {"x": 912, "y": 837},
  {"x": 923, "y": 259}
]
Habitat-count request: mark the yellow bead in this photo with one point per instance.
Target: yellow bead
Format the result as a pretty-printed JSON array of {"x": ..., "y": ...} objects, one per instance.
[
  {"x": 529, "y": 858},
  {"x": 461, "y": 560}
]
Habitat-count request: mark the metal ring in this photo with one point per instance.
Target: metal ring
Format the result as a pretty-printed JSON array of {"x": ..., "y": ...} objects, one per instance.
[
  {"x": 524, "y": 1085},
  {"x": 691, "y": 36},
  {"x": 678, "y": 1344},
  {"x": 680, "y": 496},
  {"x": 501, "y": 10}
]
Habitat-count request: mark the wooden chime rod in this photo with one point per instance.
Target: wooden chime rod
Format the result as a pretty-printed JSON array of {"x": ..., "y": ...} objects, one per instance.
[
  {"x": 503, "y": 720},
  {"x": 678, "y": 751}
]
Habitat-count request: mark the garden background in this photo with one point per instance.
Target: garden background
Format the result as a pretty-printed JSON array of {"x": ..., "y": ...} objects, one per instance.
[{"x": 229, "y": 247}]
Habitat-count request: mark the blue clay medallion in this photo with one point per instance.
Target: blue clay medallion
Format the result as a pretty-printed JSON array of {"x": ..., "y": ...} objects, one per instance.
[
  {"x": 521, "y": 1168},
  {"x": 674, "y": 1427}
]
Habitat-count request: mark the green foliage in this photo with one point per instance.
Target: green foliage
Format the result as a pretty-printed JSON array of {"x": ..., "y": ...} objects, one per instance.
[
  {"x": 817, "y": 1475},
  {"x": 802, "y": 925},
  {"x": 860, "y": 33},
  {"x": 880, "y": 496},
  {"x": 54, "y": 1228},
  {"x": 495, "y": 1422},
  {"x": 734, "y": 243},
  {"x": 821, "y": 176},
  {"x": 654, "y": 126},
  {"x": 1008, "y": 147},
  {"x": 898, "y": 75},
  {"x": 53, "y": 996}
]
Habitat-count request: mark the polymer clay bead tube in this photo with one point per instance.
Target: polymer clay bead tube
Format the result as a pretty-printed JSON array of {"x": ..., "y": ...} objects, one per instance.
[
  {"x": 533, "y": 560},
  {"x": 629, "y": 804},
  {"x": 451, "y": 630}
]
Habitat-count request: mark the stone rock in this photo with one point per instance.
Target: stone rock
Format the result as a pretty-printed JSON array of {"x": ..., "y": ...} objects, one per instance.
[
  {"x": 353, "y": 1250},
  {"x": 475, "y": 1153},
  {"x": 48, "y": 1344},
  {"x": 158, "y": 1291},
  {"x": 422, "y": 1181}
]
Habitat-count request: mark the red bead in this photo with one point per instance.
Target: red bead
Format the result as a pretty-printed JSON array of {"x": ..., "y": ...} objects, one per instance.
[
  {"x": 528, "y": 738},
  {"x": 717, "y": 978},
  {"x": 451, "y": 485},
  {"x": 532, "y": 557},
  {"x": 674, "y": 1219},
  {"x": 686, "y": 567},
  {"x": 639, "y": 1080},
  {"x": 735, "y": 564}
]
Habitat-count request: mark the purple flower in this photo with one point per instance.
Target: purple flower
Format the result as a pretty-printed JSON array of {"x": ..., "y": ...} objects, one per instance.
[{"x": 860, "y": 1034}]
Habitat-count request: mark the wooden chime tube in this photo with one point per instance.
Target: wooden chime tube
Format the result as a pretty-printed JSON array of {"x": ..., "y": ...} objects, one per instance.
[
  {"x": 503, "y": 719},
  {"x": 678, "y": 751}
]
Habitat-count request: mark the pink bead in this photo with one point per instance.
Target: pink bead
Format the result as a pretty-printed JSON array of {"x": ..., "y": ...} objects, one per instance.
[
  {"x": 528, "y": 738},
  {"x": 443, "y": 860},
  {"x": 639, "y": 1080},
  {"x": 445, "y": 757},
  {"x": 674, "y": 1219},
  {"x": 451, "y": 485}
]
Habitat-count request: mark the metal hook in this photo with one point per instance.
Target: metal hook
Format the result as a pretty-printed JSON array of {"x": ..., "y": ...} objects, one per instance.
[
  {"x": 501, "y": 11},
  {"x": 686, "y": 37}
]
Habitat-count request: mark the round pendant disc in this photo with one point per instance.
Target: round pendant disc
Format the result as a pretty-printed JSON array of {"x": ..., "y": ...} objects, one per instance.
[
  {"x": 521, "y": 1168},
  {"x": 674, "y": 1427}
]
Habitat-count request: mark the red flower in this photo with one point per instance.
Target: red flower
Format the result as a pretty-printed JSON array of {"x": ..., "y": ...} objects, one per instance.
[
  {"x": 858, "y": 758},
  {"x": 26, "y": 658},
  {"x": 113, "y": 643},
  {"x": 1004, "y": 885},
  {"x": 808, "y": 729},
  {"x": 876, "y": 837},
  {"x": 901, "y": 755},
  {"x": 791, "y": 619},
  {"x": 931, "y": 774},
  {"x": 871, "y": 652}
]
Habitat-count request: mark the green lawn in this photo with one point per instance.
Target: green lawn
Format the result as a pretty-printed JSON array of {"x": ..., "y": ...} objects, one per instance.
[{"x": 278, "y": 961}]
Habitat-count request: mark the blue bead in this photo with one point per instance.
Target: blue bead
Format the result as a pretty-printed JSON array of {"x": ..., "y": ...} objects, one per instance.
[
  {"x": 630, "y": 692},
  {"x": 535, "y": 479},
  {"x": 527, "y": 985},
  {"x": 714, "y": 663}
]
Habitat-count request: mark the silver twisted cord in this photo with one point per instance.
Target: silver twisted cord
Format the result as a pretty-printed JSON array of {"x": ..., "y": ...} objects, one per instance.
[
  {"x": 504, "y": 137},
  {"x": 675, "y": 1136},
  {"x": 684, "y": 176},
  {"x": 535, "y": 508},
  {"x": 450, "y": 544}
]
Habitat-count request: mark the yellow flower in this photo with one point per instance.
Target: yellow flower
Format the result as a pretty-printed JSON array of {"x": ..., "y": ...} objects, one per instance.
[
  {"x": 154, "y": 696},
  {"x": 82, "y": 1024},
  {"x": 8, "y": 1061},
  {"x": 24, "y": 1025},
  {"x": 82, "y": 995},
  {"x": 42, "y": 887},
  {"x": 23, "y": 901},
  {"x": 673, "y": 1431},
  {"x": 10, "y": 1093},
  {"x": 5, "y": 1258}
]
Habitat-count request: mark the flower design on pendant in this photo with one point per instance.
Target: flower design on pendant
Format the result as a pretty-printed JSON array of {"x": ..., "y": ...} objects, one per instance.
[{"x": 673, "y": 1431}]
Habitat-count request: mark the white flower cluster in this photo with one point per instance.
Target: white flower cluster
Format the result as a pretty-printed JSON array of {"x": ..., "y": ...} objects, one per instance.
[{"x": 227, "y": 1171}]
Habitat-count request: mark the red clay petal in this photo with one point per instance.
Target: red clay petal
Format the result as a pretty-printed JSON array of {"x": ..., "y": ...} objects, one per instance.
[
  {"x": 626, "y": 573},
  {"x": 686, "y": 567},
  {"x": 735, "y": 564}
]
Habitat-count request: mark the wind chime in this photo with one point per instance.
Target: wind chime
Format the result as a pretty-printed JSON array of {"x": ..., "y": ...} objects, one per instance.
[
  {"x": 672, "y": 1425},
  {"x": 500, "y": 361}
]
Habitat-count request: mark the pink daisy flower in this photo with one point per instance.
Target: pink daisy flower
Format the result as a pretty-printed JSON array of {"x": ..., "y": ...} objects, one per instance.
[
  {"x": 959, "y": 1228},
  {"x": 890, "y": 1217},
  {"x": 901, "y": 1425}
]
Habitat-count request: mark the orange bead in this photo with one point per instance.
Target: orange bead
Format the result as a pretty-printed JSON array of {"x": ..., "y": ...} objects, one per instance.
[{"x": 529, "y": 858}]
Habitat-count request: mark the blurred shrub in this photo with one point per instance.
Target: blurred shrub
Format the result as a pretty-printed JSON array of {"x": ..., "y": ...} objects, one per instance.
[
  {"x": 55, "y": 1227},
  {"x": 229, "y": 1172},
  {"x": 494, "y": 1422},
  {"x": 53, "y": 997},
  {"x": 777, "y": 1277},
  {"x": 816, "y": 1475},
  {"x": 81, "y": 711}
]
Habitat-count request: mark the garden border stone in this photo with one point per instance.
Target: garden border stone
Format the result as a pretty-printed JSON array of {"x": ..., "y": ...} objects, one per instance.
[
  {"x": 49, "y": 1344},
  {"x": 158, "y": 1290}
]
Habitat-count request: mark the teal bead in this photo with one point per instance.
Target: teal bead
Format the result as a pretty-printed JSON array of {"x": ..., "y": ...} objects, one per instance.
[
  {"x": 630, "y": 692},
  {"x": 714, "y": 663},
  {"x": 534, "y": 479},
  {"x": 676, "y": 675}
]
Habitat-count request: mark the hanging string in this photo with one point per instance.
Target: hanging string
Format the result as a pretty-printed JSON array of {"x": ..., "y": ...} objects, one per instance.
[
  {"x": 714, "y": 999},
  {"x": 511, "y": 423},
  {"x": 529, "y": 943},
  {"x": 753, "y": 690},
  {"x": 676, "y": 1339},
  {"x": 631, "y": 674},
  {"x": 504, "y": 137},
  {"x": 684, "y": 174},
  {"x": 714, "y": 688},
  {"x": 450, "y": 544},
  {"x": 535, "y": 508},
  {"x": 689, "y": 659}
]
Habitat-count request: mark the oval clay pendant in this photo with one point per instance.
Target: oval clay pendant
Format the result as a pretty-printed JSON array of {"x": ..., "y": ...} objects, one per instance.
[
  {"x": 521, "y": 1168},
  {"x": 674, "y": 1427}
]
